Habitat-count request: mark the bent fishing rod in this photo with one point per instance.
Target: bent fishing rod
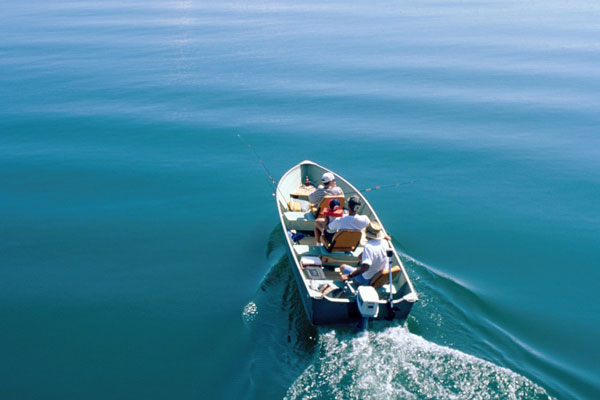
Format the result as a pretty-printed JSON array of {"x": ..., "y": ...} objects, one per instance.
[{"x": 261, "y": 163}]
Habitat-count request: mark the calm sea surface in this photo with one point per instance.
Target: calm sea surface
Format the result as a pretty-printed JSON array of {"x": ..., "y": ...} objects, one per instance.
[{"x": 140, "y": 251}]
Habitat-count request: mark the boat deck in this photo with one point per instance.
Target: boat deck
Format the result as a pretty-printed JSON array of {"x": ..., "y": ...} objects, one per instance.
[{"x": 330, "y": 283}]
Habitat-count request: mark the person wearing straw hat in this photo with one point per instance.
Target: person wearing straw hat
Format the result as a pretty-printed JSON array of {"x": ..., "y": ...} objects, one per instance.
[{"x": 373, "y": 258}]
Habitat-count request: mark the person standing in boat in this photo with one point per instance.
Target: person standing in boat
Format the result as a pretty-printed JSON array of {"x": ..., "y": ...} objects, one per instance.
[
  {"x": 373, "y": 258},
  {"x": 352, "y": 221}
]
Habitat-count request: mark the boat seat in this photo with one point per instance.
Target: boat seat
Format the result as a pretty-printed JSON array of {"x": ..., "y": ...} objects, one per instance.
[
  {"x": 343, "y": 240},
  {"x": 348, "y": 257},
  {"x": 298, "y": 205},
  {"x": 294, "y": 205},
  {"x": 383, "y": 276},
  {"x": 299, "y": 220},
  {"x": 306, "y": 250},
  {"x": 328, "y": 258},
  {"x": 317, "y": 211}
]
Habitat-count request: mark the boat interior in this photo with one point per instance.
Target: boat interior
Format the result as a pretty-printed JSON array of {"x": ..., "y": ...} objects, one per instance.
[{"x": 320, "y": 263}]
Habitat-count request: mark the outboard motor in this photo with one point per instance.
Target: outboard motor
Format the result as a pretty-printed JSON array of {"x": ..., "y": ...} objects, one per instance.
[{"x": 367, "y": 300}]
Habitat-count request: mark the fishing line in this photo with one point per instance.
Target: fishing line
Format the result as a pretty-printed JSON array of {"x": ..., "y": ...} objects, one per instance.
[
  {"x": 389, "y": 186},
  {"x": 274, "y": 183},
  {"x": 393, "y": 185}
]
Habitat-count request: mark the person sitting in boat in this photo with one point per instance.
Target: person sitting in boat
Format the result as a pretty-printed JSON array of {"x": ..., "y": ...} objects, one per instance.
[
  {"x": 328, "y": 188},
  {"x": 373, "y": 258},
  {"x": 351, "y": 221},
  {"x": 330, "y": 214}
]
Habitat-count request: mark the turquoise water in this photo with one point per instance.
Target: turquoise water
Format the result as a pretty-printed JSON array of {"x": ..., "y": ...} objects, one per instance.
[{"x": 140, "y": 251}]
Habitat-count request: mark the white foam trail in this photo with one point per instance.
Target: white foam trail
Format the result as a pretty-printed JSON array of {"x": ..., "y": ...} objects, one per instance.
[
  {"x": 395, "y": 364},
  {"x": 250, "y": 312}
]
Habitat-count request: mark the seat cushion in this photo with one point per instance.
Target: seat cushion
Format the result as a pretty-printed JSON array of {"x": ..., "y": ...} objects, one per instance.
[
  {"x": 383, "y": 276},
  {"x": 343, "y": 240}
]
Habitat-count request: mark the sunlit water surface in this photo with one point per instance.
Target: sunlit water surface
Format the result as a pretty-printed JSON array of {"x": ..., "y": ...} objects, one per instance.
[{"x": 140, "y": 252}]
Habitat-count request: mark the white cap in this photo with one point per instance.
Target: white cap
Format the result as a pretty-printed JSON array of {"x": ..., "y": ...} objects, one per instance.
[{"x": 327, "y": 177}]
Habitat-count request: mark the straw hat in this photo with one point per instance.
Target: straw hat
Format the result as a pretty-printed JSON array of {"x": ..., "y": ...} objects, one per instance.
[{"x": 374, "y": 231}]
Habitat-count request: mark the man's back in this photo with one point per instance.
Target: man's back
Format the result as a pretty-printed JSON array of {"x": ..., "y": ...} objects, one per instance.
[
  {"x": 355, "y": 222},
  {"x": 316, "y": 196},
  {"x": 375, "y": 255}
]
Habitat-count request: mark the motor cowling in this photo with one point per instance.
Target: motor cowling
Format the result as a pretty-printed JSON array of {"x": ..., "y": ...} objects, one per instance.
[{"x": 368, "y": 301}]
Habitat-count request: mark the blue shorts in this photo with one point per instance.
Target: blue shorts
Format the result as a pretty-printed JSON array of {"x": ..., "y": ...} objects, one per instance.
[{"x": 346, "y": 269}]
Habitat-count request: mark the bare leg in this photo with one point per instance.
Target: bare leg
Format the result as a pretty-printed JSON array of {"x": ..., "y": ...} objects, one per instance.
[{"x": 320, "y": 224}]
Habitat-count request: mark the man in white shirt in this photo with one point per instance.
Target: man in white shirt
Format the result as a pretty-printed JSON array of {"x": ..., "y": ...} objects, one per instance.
[
  {"x": 374, "y": 257},
  {"x": 351, "y": 221}
]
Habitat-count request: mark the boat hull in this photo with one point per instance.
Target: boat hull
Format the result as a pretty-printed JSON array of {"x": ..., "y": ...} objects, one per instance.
[
  {"x": 325, "y": 312},
  {"x": 324, "y": 309}
]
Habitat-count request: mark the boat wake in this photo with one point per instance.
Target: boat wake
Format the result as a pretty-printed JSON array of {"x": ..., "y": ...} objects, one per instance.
[
  {"x": 395, "y": 364},
  {"x": 386, "y": 362}
]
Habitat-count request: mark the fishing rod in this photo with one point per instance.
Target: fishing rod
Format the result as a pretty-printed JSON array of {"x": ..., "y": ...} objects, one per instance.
[
  {"x": 259, "y": 160},
  {"x": 273, "y": 182},
  {"x": 390, "y": 304}
]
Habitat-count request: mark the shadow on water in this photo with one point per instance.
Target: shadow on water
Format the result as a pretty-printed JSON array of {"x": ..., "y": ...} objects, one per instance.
[
  {"x": 293, "y": 359},
  {"x": 283, "y": 340}
]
